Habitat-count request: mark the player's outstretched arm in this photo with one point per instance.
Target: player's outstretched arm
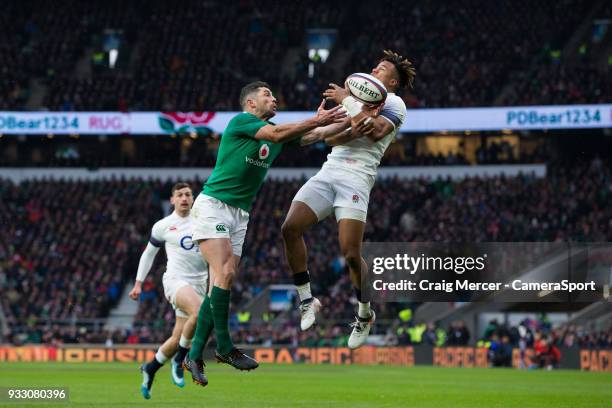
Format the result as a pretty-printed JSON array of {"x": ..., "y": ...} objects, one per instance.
[
  {"x": 325, "y": 132},
  {"x": 347, "y": 135},
  {"x": 342, "y": 137},
  {"x": 290, "y": 131},
  {"x": 144, "y": 266}
]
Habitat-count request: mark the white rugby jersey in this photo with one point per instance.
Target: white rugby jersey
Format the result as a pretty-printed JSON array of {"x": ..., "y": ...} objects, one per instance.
[
  {"x": 364, "y": 155},
  {"x": 184, "y": 259}
]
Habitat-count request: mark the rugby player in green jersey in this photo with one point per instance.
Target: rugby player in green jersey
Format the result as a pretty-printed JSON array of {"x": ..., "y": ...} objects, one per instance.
[{"x": 220, "y": 214}]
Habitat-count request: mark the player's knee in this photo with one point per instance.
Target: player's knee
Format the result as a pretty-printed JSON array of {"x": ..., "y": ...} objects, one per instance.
[
  {"x": 353, "y": 259},
  {"x": 174, "y": 340},
  {"x": 194, "y": 310},
  {"x": 290, "y": 230},
  {"x": 193, "y": 318},
  {"x": 228, "y": 271}
]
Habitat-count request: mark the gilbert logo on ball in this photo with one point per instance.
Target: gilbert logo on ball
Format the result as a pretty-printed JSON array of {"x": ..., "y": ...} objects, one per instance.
[
  {"x": 264, "y": 151},
  {"x": 365, "y": 88}
]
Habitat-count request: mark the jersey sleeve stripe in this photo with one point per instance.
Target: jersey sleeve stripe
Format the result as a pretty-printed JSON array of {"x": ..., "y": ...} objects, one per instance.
[
  {"x": 394, "y": 120},
  {"x": 156, "y": 243},
  {"x": 391, "y": 117}
]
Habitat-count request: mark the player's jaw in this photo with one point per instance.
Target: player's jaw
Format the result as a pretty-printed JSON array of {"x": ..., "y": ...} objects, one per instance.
[
  {"x": 269, "y": 109},
  {"x": 267, "y": 106}
]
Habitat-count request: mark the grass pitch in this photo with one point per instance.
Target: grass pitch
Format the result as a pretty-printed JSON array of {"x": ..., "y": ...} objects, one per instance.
[{"x": 117, "y": 385}]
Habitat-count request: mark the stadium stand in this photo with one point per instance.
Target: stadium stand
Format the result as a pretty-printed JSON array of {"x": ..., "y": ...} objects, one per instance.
[
  {"x": 57, "y": 286},
  {"x": 203, "y": 65},
  {"x": 165, "y": 151},
  {"x": 42, "y": 283}
]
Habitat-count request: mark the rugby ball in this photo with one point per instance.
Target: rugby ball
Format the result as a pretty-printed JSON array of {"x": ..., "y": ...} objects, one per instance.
[{"x": 365, "y": 88}]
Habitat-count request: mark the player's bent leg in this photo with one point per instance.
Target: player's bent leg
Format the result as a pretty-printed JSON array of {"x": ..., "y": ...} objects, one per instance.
[
  {"x": 193, "y": 360},
  {"x": 218, "y": 253},
  {"x": 170, "y": 346},
  {"x": 176, "y": 368},
  {"x": 165, "y": 352},
  {"x": 204, "y": 324},
  {"x": 350, "y": 234},
  {"x": 188, "y": 302},
  {"x": 299, "y": 219},
  {"x": 220, "y": 256}
]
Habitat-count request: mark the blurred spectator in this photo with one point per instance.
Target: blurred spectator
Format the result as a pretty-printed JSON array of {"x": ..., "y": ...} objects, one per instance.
[{"x": 458, "y": 334}]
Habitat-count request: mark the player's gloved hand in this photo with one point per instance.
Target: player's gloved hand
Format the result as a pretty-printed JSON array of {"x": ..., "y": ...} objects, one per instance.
[
  {"x": 324, "y": 117},
  {"x": 136, "y": 290},
  {"x": 336, "y": 93}
]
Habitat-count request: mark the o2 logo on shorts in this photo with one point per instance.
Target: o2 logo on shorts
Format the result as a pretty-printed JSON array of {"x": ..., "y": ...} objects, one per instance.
[
  {"x": 221, "y": 228},
  {"x": 187, "y": 243},
  {"x": 264, "y": 151}
]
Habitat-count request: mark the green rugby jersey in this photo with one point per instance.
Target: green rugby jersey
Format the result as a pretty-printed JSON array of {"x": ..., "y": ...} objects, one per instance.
[{"x": 242, "y": 162}]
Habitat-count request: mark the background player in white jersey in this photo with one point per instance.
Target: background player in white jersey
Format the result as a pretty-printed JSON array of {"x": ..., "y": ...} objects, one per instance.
[
  {"x": 343, "y": 185},
  {"x": 185, "y": 283}
]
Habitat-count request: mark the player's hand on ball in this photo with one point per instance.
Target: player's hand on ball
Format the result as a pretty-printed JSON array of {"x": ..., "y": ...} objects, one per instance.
[
  {"x": 336, "y": 93},
  {"x": 365, "y": 126},
  {"x": 336, "y": 114},
  {"x": 372, "y": 110}
]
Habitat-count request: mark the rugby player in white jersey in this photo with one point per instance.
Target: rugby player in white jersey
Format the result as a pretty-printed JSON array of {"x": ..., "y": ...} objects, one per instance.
[
  {"x": 185, "y": 284},
  {"x": 343, "y": 186}
]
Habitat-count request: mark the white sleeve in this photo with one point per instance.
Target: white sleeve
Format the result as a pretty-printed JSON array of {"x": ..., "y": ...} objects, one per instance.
[
  {"x": 146, "y": 261},
  {"x": 148, "y": 256},
  {"x": 394, "y": 111},
  {"x": 157, "y": 234}
]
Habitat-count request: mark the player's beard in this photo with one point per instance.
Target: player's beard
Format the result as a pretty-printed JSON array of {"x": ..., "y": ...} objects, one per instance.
[{"x": 269, "y": 114}]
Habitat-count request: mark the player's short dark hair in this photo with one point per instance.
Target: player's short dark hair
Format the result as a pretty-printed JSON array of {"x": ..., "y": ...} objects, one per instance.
[
  {"x": 249, "y": 89},
  {"x": 179, "y": 186},
  {"x": 403, "y": 66}
]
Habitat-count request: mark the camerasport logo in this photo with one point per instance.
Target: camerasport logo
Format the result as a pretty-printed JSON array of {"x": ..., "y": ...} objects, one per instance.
[
  {"x": 186, "y": 122},
  {"x": 264, "y": 151}
]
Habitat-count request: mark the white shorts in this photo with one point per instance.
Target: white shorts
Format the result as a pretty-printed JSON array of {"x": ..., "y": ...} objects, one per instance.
[
  {"x": 334, "y": 188},
  {"x": 172, "y": 285},
  {"x": 212, "y": 218}
]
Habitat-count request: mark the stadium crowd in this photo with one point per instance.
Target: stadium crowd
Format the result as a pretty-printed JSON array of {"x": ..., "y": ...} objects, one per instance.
[
  {"x": 55, "y": 284},
  {"x": 48, "y": 273},
  {"x": 202, "y": 65},
  {"x": 185, "y": 151}
]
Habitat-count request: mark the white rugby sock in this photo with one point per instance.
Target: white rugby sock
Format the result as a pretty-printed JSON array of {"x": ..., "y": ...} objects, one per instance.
[
  {"x": 364, "y": 310},
  {"x": 160, "y": 357},
  {"x": 184, "y": 342},
  {"x": 304, "y": 291}
]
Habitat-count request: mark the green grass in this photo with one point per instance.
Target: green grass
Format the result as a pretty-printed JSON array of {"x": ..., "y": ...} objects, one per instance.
[{"x": 117, "y": 385}]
